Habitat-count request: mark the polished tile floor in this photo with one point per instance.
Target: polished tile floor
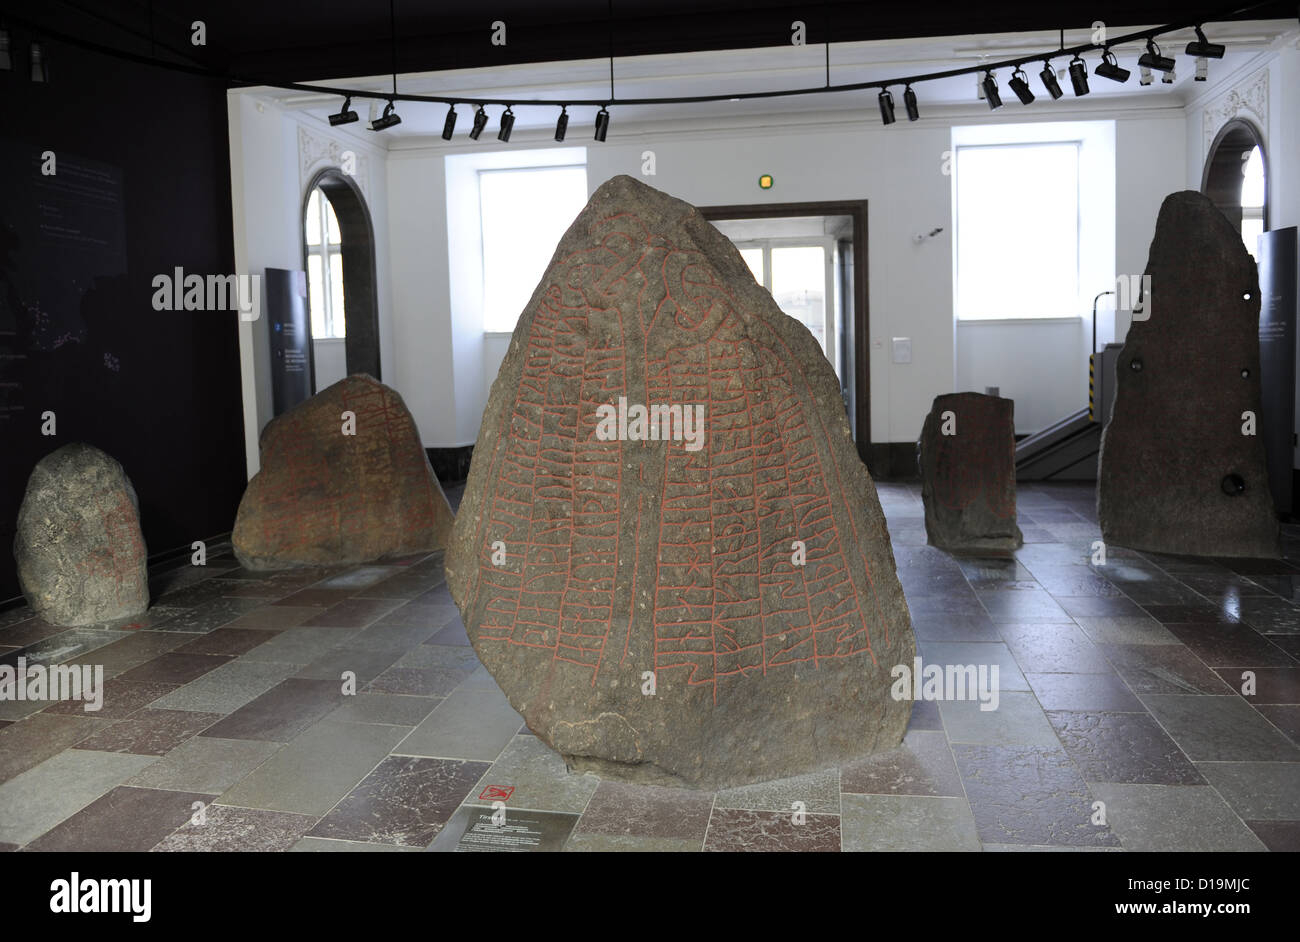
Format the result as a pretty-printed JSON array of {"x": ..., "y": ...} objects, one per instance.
[{"x": 1150, "y": 703}]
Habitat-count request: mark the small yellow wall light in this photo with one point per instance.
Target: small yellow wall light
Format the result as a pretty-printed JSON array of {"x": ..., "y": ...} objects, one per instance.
[{"x": 765, "y": 182}]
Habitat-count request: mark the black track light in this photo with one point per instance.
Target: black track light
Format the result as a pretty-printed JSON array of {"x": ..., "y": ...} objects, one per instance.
[
  {"x": 562, "y": 123},
  {"x": 886, "y": 106},
  {"x": 909, "y": 102},
  {"x": 346, "y": 115},
  {"x": 40, "y": 70},
  {"x": 1152, "y": 59},
  {"x": 449, "y": 124},
  {"x": 1110, "y": 68},
  {"x": 991, "y": 95},
  {"x": 1048, "y": 75},
  {"x": 1079, "y": 76},
  {"x": 387, "y": 119},
  {"x": 507, "y": 123},
  {"x": 602, "y": 124},
  {"x": 480, "y": 122},
  {"x": 1203, "y": 48},
  {"x": 1019, "y": 84}
]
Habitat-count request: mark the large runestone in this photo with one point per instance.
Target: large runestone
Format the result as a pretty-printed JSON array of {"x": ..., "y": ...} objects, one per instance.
[
  {"x": 323, "y": 497},
  {"x": 638, "y": 600},
  {"x": 967, "y": 458},
  {"x": 1178, "y": 473},
  {"x": 80, "y": 553}
]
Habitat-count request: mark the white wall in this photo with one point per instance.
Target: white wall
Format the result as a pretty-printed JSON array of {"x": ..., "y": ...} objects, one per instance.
[
  {"x": 274, "y": 153},
  {"x": 1266, "y": 92},
  {"x": 897, "y": 169}
]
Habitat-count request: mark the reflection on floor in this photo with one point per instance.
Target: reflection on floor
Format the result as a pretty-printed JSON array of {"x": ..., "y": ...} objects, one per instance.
[{"x": 1120, "y": 685}]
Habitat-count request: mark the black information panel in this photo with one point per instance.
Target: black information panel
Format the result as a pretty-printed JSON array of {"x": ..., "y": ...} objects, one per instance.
[
  {"x": 291, "y": 360},
  {"x": 1277, "y": 257}
]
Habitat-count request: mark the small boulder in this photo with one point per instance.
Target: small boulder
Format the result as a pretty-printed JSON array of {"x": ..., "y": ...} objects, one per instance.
[
  {"x": 80, "y": 553},
  {"x": 344, "y": 479}
]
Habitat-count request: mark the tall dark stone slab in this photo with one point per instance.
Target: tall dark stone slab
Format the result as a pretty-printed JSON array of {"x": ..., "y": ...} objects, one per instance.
[
  {"x": 967, "y": 459},
  {"x": 80, "y": 553},
  {"x": 1177, "y": 473},
  {"x": 323, "y": 497},
  {"x": 587, "y": 566}
]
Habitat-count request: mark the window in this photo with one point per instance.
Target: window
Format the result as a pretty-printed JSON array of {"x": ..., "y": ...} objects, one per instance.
[
  {"x": 524, "y": 212},
  {"x": 1017, "y": 230},
  {"x": 1252, "y": 198},
  {"x": 324, "y": 268}
]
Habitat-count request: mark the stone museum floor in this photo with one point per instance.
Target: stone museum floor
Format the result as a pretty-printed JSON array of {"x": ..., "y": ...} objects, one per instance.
[{"x": 1120, "y": 685}]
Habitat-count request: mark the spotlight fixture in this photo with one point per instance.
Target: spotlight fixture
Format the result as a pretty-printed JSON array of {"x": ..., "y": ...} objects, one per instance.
[
  {"x": 979, "y": 87},
  {"x": 480, "y": 122},
  {"x": 346, "y": 115},
  {"x": 6, "y": 62},
  {"x": 1167, "y": 78},
  {"x": 1202, "y": 68},
  {"x": 1203, "y": 48},
  {"x": 1144, "y": 76},
  {"x": 1019, "y": 84},
  {"x": 1110, "y": 68},
  {"x": 1152, "y": 59},
  {"x": 562, "y": 123},
  {"x": 991, "y": 91},
  {"x": 507, "y": 123},
  {"x": 602, "y": 124},
  {"x": 1048, "y": 75},
  {"x": 387, "y": 119},
  {"x": 886, "y": 107},
  {"x": 1079, "y": 76},
  {"x": 449, "y": 124},
  {"x": 909, "y": 102},
  {"x": 40, "y": 71}
]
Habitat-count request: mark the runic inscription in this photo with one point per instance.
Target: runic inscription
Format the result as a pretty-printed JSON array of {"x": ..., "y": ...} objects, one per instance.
[{"x": 668, "y": 554}]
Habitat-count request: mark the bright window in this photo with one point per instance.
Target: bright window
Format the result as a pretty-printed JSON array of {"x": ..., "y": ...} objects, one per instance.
[
  {"x": 1017, "y": 230},
  {"x": 1252, "y": 199},
  {"x": 524, "y": 213},
  {"x": 324, "y": 268}
]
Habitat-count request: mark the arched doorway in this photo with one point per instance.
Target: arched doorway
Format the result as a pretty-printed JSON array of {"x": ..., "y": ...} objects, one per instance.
[
  {"x": 339, "y": 246},
  {"x": 1235, "y": 178}
]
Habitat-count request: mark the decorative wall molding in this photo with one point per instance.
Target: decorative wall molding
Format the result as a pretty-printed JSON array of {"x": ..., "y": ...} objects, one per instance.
[
  {"x": 1247, "y": 99},
  {"x": 316, "y": 152}
]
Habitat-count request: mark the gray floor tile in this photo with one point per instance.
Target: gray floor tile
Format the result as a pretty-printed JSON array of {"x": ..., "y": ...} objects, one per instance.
[
  {"x": 907, "y": 823},
  {"x": 205, "y": 765},
  {"x": 41, "y": 797},
  {"x": 1220, "y": 729},
  {"x": 1018, "y": 719},
  {"x": 469, "y": 724},
  {"x": 1174, "y": 818},
  {"x": 1257, "y": 791},
  {"x": 311, "y": 774}
]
